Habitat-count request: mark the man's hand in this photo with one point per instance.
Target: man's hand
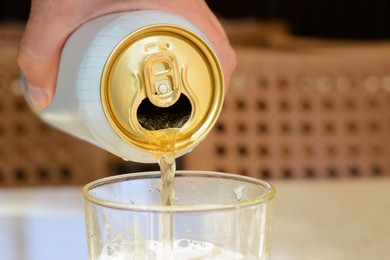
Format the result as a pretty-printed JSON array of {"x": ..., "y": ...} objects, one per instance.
[{"x": 51, "y": 22}]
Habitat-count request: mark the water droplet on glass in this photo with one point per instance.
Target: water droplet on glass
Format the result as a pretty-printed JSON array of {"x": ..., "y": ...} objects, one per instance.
[{"x": 238, "y": 191}]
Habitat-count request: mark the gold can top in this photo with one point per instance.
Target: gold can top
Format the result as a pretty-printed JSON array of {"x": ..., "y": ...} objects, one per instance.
[{"x": 158, "y": 80}]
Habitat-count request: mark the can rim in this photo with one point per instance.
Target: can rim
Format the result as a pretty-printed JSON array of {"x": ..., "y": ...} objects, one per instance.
[{"x": 195, "y": 134}]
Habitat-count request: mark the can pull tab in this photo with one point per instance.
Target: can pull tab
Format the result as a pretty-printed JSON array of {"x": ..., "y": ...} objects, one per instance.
[{"x": 163, "y": 86}]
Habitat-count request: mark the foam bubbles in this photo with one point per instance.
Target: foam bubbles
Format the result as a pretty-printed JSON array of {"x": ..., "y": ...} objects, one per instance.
[{"x": 183, "y": 249}]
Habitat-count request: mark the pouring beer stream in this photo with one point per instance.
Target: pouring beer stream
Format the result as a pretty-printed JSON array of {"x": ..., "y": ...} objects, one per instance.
[{"x": 146, "y": 86}]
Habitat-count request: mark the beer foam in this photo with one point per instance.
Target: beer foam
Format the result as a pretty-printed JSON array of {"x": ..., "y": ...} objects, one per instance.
[{"x": 184, "y": 249}]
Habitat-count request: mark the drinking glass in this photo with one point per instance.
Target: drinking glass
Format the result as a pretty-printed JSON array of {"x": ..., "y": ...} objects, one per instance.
[{"x": 215, "y": 216}]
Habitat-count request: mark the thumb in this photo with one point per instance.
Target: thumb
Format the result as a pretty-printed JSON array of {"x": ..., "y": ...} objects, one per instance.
[{"x": 35, "y": 95}]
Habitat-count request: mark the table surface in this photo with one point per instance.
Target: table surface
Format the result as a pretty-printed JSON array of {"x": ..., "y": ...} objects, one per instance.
[
  {"x": 332, "y": 220},
  {"x": 317, "y": 219}
]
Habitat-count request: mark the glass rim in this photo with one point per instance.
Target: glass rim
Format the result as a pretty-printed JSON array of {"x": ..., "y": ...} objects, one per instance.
[{"x": 268, "y": 195}]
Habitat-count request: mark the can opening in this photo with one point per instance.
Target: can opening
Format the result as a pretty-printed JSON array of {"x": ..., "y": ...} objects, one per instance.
[{"x": 152, "y": 117}]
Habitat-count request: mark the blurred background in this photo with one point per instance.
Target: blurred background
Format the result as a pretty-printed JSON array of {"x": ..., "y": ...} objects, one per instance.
[
  {"x": 309, "y": 100},
  {"x": 359, "y": 19}
]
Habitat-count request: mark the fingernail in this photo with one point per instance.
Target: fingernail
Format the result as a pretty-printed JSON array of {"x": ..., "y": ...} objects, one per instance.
[{"x": 38, "y": 96}]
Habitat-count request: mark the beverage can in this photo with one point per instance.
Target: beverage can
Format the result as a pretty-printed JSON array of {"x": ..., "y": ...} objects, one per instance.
[{"x": 128, "y": 78}]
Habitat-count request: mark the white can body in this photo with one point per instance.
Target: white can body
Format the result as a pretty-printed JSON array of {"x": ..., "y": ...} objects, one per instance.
[{"x": 76, "y": 107}]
